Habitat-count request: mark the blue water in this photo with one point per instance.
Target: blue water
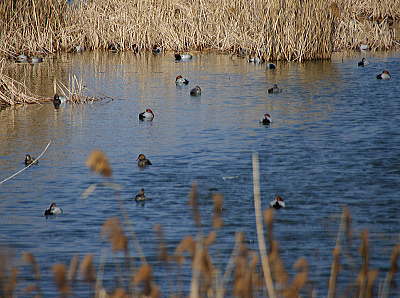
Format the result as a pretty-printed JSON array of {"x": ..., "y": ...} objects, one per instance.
[{"x": 334, "y": 142}]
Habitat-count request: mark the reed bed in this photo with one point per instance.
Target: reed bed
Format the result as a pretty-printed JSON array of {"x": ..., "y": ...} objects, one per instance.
[
  {"x": 245, "y": 274},
  {"x": 294, "y": 30}
]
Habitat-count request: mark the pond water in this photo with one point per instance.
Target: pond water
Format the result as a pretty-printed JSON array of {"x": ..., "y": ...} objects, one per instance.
[{"x": 334, "y": 142}]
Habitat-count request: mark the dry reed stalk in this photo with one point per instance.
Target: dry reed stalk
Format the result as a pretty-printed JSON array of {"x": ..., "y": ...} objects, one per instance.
[
  {"x": 260, "y": 230},
  {"x": 73, "y": 268},
  {"x": 163, "y": 252},
  {"x": 334, "y": 272},
  {"x": 299, "y": 280},
  {"x": 362, "y": 279},
  {"x": 30, "y": 259},
  {"x": 218, "y": 200}
]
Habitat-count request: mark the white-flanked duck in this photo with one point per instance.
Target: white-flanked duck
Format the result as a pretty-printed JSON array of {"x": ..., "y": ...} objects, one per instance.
[
  {"x": 277, "y": 203},
  {"x": 271, "y": 66},
  {"x": 274, "y": 89},
  {"x": 35, "y": 60},
  {"x": 146, "y": 115},
  {"x": 181, "y": 81},
  {"x": 140, "y": 197},
  {"x": 266, "y": 119},
  {"x": 256, "y": 60},
  {"x": 143, "y": 161},
  {"x": 196, "y": 91},
  {"x": 29, "y": 159},
  {"x": 363, "y": 62},
  {"x": 183, "y": 57},
  {"x": 58, "y": 100},
  {"x": 385, "y": 75},
  {"x": 53, "y": 210},
  {"x": 21, "y": 58}
]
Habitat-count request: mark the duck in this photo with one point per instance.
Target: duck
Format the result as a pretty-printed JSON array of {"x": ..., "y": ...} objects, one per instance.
[
  {"x": 385, "y": 75},
  {"x": 181, "y": 81},
  {"x": 256, "y": 60},
  {"x": 274, "y": 89},
  {"x": 271, "y": 66},
  {"x": 140, "y": 196},
  {"x": 34, "y": 60},
  {"x": 143, "y": 161},
  {"x": 29, "y": 160},
  {"x": 21, "y": 58},
  {"x": 363, "y": 62},
  {"x": 181, "y": 57},
  {"x": 58, "y": 100},
  {"x": 196, "y": 91},
  {"x": 146, "y": 115},
  {"x": 156, "y": 50},
  {"x": 53, "y": 210},
  {"x": 266, "y": 120},
  {"x": 277, "y": 203}
]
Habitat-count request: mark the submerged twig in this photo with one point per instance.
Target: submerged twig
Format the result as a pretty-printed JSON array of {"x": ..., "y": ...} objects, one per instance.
[{"x": 33, "y": 162}]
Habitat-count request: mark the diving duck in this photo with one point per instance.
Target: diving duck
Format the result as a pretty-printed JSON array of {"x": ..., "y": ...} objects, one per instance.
[
  {"x": 183, "y": 57},
  {"x": 140, "y": 196},
  {"x": 266, "y": 120},
  {"x": 143, "y": 161},
  {"x": 363, "y": 62},
  {"x": 53, "y": 210},
  {"x": 196, "y": 91},
  {"x": 34, "y": 60},
  {"x": 21, "y": 58},
  {"x": 274, "y": 89},
  {"x": 29, "y": 160},
  {"x": 277, "y": 203},
  {"x": 146, "y": 115},
  {"x": 179, "y": 81},
  {"x": 385, "y": 75},
  {"x": 271, "y": 66},
  {"x": 58, "y": 100}
]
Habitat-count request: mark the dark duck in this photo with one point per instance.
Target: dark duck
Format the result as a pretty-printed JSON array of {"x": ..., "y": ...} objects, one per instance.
[
  {"x": 143, "y": 161},
  {"x": 277, "y": 203},
  {"x": 53, "y": 210},
  {"x": 29, "y": 160}
]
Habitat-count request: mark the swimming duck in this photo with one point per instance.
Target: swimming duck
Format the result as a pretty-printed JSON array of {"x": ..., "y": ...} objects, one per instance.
[
  {"x": 53, "y": 210},
  {"x": 21, "y": 58},
  {"x": 277, "y": 203},
  {"x": 146, "y": 115},
  {"x": 266, "y": 120},
  {"x": 181, "y": 81},
  {"x": 34, "y": 60},
  {"x": 29, "y": 159},
  {"x": 181, "y": 57},
  {"x": 274, "y": 89},
  {"x": 59, "y": 100},
  {"x": 140, "y": 196},
  {"x": 196, "y": 91},
  {"x": 271, "y": 66},
  {"x": 385, "y": 75},
  {"x": 256, "y": 60},
  {"x": 143, "y": 161},
  {"x": 156, "y": 50},
  {"x": 363, "y": 62}
]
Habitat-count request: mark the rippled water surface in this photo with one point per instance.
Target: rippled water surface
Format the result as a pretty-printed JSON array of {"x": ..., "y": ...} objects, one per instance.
[{"x": 334, "y": 141}]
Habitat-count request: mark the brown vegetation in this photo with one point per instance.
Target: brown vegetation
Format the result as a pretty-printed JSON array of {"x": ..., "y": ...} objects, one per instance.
[{"x": 277, "y": 30}]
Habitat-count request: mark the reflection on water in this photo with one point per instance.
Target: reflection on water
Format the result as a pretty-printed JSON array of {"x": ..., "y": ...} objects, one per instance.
[{"x": 334, "y": 141}]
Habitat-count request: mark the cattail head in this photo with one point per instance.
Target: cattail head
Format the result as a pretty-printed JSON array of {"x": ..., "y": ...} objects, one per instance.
[
  {"x": 193, "y": 201},
  {"x": 98, "y": 162},
  {"x": 73, "y": 268},
  {"x": 143, "y": 275},
  {"x": 30, "y": 259},
  {"x": 163, "y": 253}
]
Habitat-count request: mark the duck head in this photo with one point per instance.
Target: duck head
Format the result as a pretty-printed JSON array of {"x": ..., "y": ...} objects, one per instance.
[
  {"x": 141, "y": 157},
  {"x": 178, "y": 77},
  {"x": 386, "y": 72},
  {"x": 150, "y": 111},
  {"x": 278, "y": 198},
  {"x": 28, "y": 158}
]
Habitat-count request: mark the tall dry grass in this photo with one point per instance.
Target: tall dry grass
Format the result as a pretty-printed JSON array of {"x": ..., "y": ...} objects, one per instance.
[{"x": 277, "y": 30}]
